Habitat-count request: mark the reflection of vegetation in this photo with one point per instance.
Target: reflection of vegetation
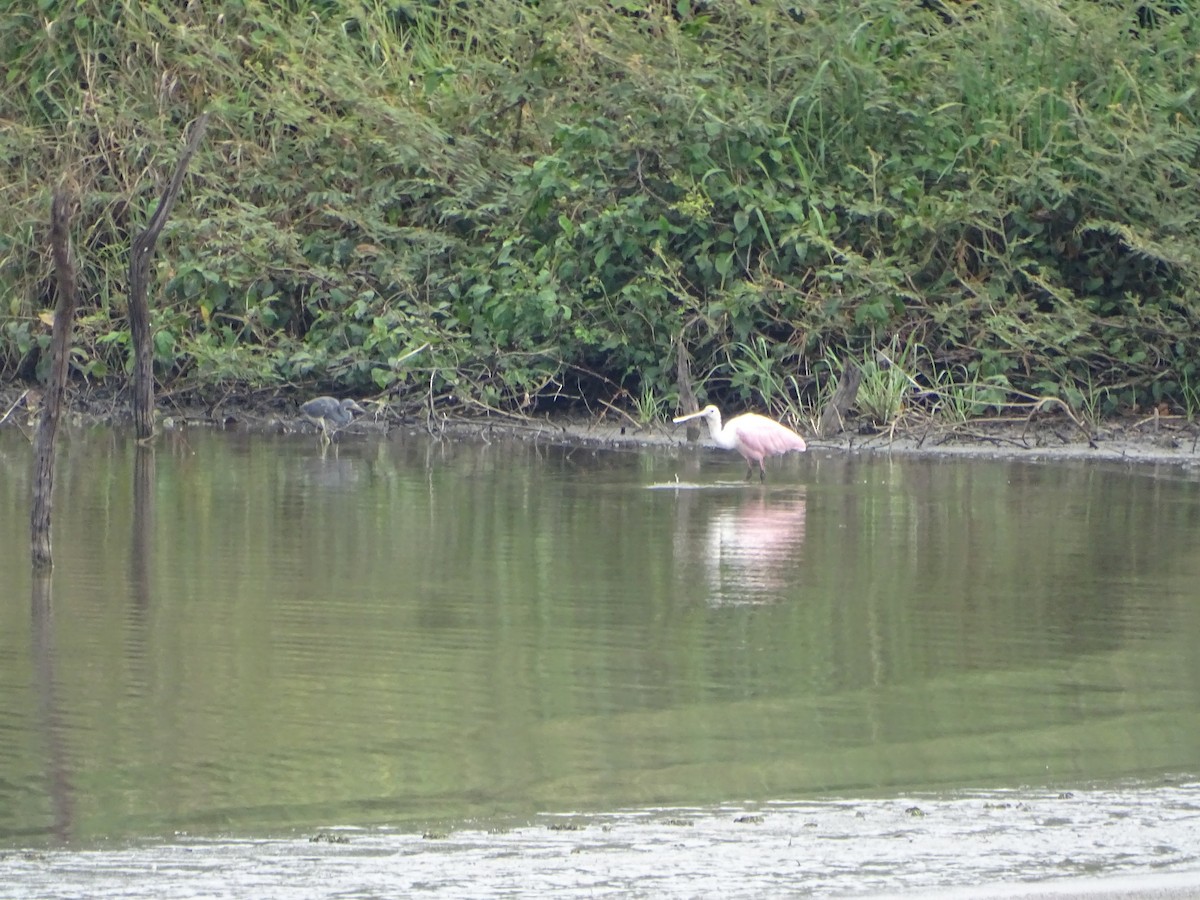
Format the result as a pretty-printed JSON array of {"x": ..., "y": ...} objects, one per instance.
[
  {"x": 550, "y": 194},
  {"x": 417, "y": 634}
]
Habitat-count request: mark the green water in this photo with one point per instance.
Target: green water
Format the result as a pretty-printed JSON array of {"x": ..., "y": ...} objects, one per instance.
[{"x": 243, "y": 636}]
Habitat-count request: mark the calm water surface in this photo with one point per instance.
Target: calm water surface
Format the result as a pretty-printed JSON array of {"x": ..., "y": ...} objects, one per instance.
[{"x": 246, "y": 638}]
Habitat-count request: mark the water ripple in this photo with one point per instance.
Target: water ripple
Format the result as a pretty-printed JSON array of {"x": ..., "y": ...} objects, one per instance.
[{"x": 976, "y": 844}]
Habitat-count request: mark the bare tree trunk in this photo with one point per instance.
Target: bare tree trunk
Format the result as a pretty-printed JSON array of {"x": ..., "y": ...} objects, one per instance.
[
  {"x": 683, "y": 380},
  {"x": 833, "y": 416},
  {"x": 139, "y": 310},
  {"x": 60, "y": 344}
]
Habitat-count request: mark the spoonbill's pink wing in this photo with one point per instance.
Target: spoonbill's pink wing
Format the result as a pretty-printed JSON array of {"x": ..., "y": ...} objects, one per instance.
[{"x": 759, "y": 437}]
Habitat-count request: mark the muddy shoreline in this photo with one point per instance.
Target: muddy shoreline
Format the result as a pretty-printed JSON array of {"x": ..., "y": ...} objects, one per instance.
[{"x": 1157, "y": 439}]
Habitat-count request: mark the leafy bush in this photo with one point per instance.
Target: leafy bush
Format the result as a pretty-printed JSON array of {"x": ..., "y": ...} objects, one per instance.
[{"x": 551, "y": 196}]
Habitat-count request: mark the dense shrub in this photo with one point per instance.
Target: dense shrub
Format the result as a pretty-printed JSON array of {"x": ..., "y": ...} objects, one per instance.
[{"x": 552, "y": 197}]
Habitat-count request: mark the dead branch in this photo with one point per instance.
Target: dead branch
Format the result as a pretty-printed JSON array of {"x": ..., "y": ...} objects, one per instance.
[
  {"x": 1055, "y": 401},
  {"x": 683, "y": 380},
  {"x": 141, "y": 253},
  {"x": 833, "y": 416}
]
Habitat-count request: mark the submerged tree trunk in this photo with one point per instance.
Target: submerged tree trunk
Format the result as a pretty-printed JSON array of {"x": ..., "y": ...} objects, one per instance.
[
  {"x": 60, "y": 345},
  {"x": 141, "y": 254}
]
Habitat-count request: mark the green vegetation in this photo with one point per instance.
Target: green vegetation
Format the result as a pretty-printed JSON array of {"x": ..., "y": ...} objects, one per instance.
[{"x": 549, "y": 194}]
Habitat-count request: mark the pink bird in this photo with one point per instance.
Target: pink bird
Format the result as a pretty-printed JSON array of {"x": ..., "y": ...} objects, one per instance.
[{"x": 755, "y": 437}]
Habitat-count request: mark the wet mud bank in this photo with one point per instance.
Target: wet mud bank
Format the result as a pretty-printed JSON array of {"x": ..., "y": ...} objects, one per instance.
[{"x": 1172, "y": 440}]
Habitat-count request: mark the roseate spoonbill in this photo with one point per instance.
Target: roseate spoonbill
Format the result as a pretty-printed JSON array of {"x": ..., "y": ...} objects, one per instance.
[
  {"x": 326, "y": 412},
  {"x": 755, "y": 437}
]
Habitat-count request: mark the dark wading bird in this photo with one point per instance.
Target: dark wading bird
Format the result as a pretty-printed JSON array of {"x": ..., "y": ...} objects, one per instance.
[
  {"x": 330, "y": 413},
  {"x": 755, "y": 437}
]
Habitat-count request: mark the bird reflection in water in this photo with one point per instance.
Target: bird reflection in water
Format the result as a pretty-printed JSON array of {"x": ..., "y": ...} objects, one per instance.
[{"x": 751, "y": 550}]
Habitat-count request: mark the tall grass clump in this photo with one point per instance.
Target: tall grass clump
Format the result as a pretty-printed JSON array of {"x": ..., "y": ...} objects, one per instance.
[{"x": 550, "y": 195}]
